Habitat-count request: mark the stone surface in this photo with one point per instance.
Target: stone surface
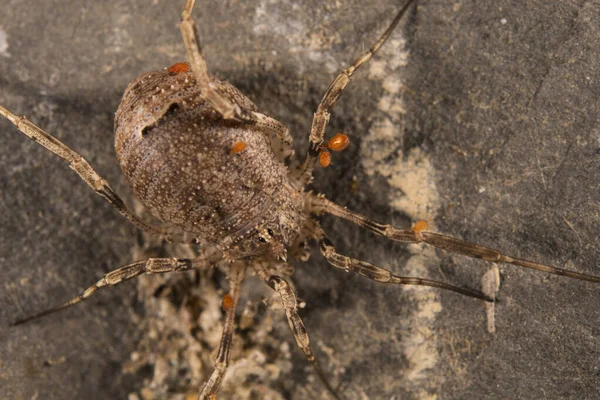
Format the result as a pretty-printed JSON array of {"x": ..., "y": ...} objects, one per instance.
[{"x": 481, "y": 118}]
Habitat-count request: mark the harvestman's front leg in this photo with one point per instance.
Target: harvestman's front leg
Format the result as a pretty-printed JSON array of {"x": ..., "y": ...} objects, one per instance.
[
  {"x": 220, "y": 103},
  {"x": 149, "y": 266},
  {"x": 225, "y": 107},
  {"x": 83, "y": 169},
  {"x": 321, "y": 205},
  {"x": 321, "y": 117},
  {"x": 290, "y": 304},
  {"x": 236, "y": 276}
]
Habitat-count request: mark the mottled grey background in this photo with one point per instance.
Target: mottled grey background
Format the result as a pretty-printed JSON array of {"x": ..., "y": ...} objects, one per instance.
[{"x": 503, "y": 97}]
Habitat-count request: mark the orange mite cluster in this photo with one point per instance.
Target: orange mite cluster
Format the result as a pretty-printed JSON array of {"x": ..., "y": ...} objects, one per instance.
[
  {"x": 337, "y": 143},
  {"x": 227, "y": 302},
  {"x": 179, "y": 67}
]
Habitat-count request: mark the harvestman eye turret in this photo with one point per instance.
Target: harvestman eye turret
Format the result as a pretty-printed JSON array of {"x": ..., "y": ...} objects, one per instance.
[{"x": 205, "y": 161}]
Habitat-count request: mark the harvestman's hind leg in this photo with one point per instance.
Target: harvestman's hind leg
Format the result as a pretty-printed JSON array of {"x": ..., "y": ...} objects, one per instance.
[
  {"x": 320, "y": 205},
  {"x": 149, "y": 266},
  {"x": 290, "y": 305},
  {"x": 211, "y": 387},
  {"x": 225, "y": 107},
  {"x": 382, "y": 275},
  {"x": 83, "y": 169},
  {"x": 321, "y": 117}
]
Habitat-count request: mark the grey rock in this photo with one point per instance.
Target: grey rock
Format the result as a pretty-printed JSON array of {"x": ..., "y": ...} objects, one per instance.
[{"x": 498, "y": 112}]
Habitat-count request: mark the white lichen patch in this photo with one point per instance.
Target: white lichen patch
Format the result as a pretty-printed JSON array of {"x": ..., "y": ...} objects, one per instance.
[
  {"x": 391, "y": 57},
  {"x": 411, "y": 180},
  {"x": 419, "y": 340},
  {"x": 414, "y": 179},
  {"x": 4, "y": 43}
]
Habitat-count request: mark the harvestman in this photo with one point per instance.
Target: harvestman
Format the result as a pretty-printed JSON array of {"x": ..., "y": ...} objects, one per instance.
[{"x": 203, "y": 159}]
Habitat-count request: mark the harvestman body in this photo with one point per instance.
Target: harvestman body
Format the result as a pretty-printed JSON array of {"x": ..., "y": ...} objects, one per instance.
[{"x": 203, "y": 159}]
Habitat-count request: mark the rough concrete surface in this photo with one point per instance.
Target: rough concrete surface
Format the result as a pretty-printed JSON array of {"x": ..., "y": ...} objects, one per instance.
[{"x": 481, "y": 117}]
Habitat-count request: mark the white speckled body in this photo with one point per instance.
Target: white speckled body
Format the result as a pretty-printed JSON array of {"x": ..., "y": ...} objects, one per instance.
[{"x": 175, "y": 151}]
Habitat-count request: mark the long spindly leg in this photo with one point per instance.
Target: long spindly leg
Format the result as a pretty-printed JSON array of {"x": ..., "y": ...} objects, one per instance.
[
  {"x": 149, "y": 266},
  {"x": 382, "y": 275},
  {"x": 290, "y": 305},
  {"x": 83, "y": 169},
  {"x": 220, "y": 103},
  {"x": 211, "y": 387},
  {"x": 321, "y": 117},
  {"x": 322, "y": 205}
]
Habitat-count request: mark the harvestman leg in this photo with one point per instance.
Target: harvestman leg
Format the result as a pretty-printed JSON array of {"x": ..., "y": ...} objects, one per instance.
[
  {"x": 382, "y": 275},
  {"x": 225, "y": 107},
  {"x": 290, "y": 305},
  {"x": 211, "y": 387},
  {"x": 149, "y": 266},
  {"x": 321, "y": 118},
  {"x": 84, "y": 170},
  {"x": 220, "y": 103},
  {"x": 322, "y": 205},
  {"x": 276, "y": 129}
]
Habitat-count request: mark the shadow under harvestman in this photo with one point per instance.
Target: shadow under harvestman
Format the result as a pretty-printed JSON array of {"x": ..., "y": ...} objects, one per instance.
[{"x": 206, "y": 162}]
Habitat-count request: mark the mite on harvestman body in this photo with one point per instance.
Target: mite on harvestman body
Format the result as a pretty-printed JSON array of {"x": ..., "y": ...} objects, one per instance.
[{"x": 267, "y": 212}]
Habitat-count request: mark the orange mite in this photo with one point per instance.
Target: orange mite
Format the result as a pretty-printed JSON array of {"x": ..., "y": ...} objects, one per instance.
[
  {"x": 420, "y": 226},
  {"x": 339, "y": 142},
  {"x": 238, "y": 147},
  {"x": 324, "y": 158},
  {"x": 179, "y": 67},
  {"x": 227, "y": 302}
]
